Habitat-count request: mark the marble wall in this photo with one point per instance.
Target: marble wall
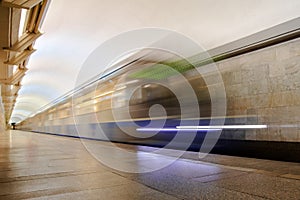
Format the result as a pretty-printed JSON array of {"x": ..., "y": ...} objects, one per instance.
[{"x": 265, "y": 84}]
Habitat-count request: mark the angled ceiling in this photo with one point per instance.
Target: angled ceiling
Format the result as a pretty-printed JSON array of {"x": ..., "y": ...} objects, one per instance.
[
  {"x": 74, "y": 28},
  {"x": 20, "y": 23}
]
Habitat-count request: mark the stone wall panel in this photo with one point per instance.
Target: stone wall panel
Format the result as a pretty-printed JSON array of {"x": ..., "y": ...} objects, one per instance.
[{"x": 266, "y": 84}]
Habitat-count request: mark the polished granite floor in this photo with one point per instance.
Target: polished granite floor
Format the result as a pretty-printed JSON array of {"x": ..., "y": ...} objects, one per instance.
[{"x": 40, "y": 166}]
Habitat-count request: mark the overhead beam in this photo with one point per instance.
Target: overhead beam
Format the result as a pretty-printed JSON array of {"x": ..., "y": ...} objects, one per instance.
[
  {"x": 8, "y": 99},
  {"x": 20, "y": 58},
  {"x": 11, "y": 91},
  {"x": 25, "y": 41},
  {"x": 26, "y": 4},
  {"x": 40, "y": 16},
  {"x": 15, "y": 90},
  {"x": 15, "y": 78}
]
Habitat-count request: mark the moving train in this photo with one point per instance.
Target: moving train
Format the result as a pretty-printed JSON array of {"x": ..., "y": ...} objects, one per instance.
[
  {"x": 158, "y": 102},
  {"x": 119, "y": 106}
]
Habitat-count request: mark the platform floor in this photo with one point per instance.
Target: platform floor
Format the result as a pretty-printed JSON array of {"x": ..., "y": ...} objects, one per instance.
[{"x": 40, "y": 166}]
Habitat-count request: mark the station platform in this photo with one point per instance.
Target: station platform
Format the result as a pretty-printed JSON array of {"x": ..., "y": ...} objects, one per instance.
[{"x": 41, "y": 166}]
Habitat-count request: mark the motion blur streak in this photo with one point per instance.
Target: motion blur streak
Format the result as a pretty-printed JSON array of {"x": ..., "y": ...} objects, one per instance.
[{"x": 222, "y": 127}]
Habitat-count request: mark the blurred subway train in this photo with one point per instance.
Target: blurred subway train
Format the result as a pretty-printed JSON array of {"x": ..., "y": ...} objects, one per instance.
[{"x": 171, "y": 103}]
